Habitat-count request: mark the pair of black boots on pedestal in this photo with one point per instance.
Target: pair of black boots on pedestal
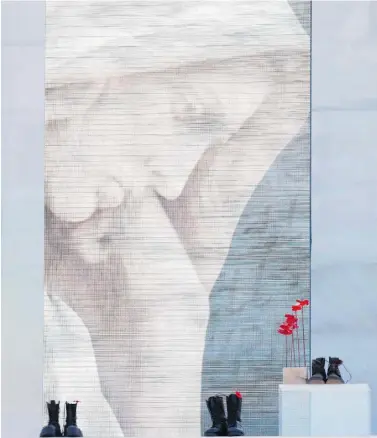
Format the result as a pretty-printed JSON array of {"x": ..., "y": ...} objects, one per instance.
[
  {"x": 223, "y": 425},
  {"x": 319, "y": 375},
  {"x": 53, "y": 427}
]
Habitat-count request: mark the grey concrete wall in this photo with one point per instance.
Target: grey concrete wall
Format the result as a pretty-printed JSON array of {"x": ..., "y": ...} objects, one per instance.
[
  {"x": 344, "y": 187},
  {"x": 22, "y": 191}
]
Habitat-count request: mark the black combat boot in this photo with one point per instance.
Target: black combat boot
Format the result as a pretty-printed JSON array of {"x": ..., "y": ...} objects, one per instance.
[
  {"x": 70, "y": 427},
  {"x": 53, "y": 427},
  {"x": 333, "y": 373},
  {"x": 233, "y": 405},
  {"x": 318, "y": 371},
  {"x": 216, "y": 409}
]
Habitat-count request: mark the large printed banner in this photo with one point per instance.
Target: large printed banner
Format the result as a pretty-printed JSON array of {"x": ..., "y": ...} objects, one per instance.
[{"x": 177, "y": 208}]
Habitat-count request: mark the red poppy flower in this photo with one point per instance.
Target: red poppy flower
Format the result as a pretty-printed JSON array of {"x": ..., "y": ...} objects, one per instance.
[
  {"x": 290, "y": 318},
  {"x": 238, "y": 394},
  {"x": 285, "y": 332},
  {"x": 291, "y": 322},
  {"x": 303, "y": 303},
  {"x": 296, "y": 307}
]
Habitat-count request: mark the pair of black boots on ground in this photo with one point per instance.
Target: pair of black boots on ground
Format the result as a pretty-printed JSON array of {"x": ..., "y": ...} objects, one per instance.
[
  {"x": 319, "y": 375},
  {"x": 223, "y": 425},
  {"x": 53, "y": 428}
]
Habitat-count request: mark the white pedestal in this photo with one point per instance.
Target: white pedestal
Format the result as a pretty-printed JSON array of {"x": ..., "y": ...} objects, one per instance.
[{"x": 324, "y": 410}]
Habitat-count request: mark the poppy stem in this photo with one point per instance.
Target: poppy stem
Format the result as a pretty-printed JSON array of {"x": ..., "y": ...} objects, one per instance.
[
  {"x": 293, "y": 348},
  {"x": 286, "y": 351},
  {"x": 298, "y": 342},
  {"x": 303, "y": 336}
]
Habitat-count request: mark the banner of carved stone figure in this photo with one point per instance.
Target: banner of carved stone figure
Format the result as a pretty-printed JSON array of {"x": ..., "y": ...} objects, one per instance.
[{"x": 177, "y": 208}]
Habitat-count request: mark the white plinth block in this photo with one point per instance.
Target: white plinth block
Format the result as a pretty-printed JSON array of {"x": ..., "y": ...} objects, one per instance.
[{"x": 325, "y": 410}]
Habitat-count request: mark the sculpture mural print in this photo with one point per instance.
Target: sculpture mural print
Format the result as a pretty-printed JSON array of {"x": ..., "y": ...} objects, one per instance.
[{"x": 177, "y": 208}]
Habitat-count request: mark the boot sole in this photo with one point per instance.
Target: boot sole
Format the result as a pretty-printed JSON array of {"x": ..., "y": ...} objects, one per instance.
[
  {"x": 316, "y": 380},
  {"x": 213, "y": 434},
  {"x": 335, "y": 381},
  {"x": 49, "y": 435},
  {"x": 235, "y": 432}
]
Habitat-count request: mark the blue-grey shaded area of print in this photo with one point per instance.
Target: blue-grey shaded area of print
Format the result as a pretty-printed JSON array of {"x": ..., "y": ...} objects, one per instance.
[{"x": 267, "y": 269}]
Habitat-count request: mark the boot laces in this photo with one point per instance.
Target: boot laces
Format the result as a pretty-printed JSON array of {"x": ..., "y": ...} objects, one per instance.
[
  {"x": 234, "y": 414},
  {"x": 337, "y": 363},
  {"x": 216, "y": 410},
  {"x": 71, "y": 418},
  {"x": 53, "y": 413}
]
